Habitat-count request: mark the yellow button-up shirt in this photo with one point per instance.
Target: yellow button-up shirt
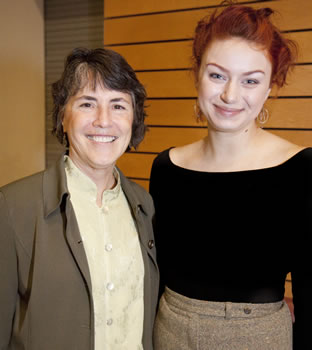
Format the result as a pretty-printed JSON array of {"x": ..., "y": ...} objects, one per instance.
[{"x": 115, "y": 261}]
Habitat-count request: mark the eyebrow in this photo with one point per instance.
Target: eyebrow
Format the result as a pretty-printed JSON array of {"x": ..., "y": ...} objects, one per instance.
[
  {"x": 87, "y": 97},
  {"x": 120, "y": 99},
  {"x": 227, "y": 71}
]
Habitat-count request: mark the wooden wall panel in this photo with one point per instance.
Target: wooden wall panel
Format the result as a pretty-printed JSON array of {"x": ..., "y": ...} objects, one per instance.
[
  {"x": 181, "y": 24},
  {"x": 164, "y": 55},
  {"x": 304, "y": 41},
  {"x": 177, "y": 54},
  {"x": 137, "y": 163},
  {"x": 116, "y": 8}
]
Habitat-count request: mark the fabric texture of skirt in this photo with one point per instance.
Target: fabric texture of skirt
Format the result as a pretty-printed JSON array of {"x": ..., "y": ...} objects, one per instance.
[{"x": 189, "y": 324}]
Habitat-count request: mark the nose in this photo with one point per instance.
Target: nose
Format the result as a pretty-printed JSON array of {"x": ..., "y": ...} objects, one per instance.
[
  {"x": 230, "y": 92},
  {"x": 102, "y": 118}
]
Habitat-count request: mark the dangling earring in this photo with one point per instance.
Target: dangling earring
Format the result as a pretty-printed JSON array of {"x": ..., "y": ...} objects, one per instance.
[
  {"x": 197, "y": 111},
  {"x": 263, "y": 116}
]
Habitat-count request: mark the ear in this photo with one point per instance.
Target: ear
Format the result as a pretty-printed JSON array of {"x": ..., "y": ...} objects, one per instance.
[{"x": 64, "y": 123}]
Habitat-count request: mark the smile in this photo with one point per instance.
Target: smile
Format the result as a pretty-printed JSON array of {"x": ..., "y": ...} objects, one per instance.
[
  {"x": 102, "y": 139},
  {"x": 228, "y": 111}
]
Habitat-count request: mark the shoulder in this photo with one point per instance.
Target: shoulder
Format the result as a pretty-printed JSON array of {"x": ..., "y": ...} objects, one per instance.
[
  {"x": 162, "y": 158},
  {"x": 25, "y": 188},
  {"x": 19, "y": 203},
  {"x": 185, "y": 156},
  {"x": 177, "y": 155},
  {"x": 274, "y": 150},
  {"x": 161, "y": 166},
  {"x": 304, "y": 160}
]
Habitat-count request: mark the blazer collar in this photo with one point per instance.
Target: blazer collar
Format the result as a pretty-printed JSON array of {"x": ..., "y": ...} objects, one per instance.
[{"x": 54, "y": 186}]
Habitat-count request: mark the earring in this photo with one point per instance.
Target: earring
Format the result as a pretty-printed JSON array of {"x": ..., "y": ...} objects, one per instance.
[
  {"x": 197, "y": 111},
  {"x": 263, "y": 116}
]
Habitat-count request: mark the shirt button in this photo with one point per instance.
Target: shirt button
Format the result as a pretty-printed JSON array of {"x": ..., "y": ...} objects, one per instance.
[
  {"x": 109, "y": 322},
  {"x": 108, "y": 247},
  {"x": 105, "y": 209},
  {"x": 110, "y": 286},
  {"x": 247, "y": 311},
  {"x": 151, "y": 244}
]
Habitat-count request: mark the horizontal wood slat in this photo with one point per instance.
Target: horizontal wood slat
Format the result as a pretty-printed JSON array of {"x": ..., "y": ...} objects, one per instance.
[
  {"x": 180, "y": 25},
  {"x": 284, "y": 113},
  {"x": 160, "y": 138},
  {"x": 137, "y": 165},
  {"x": 170, "y": 55},
  {"x": 181, "y": 84},
  {"x": 177, "y": 54},
  {"x": 134, "y": 7}
]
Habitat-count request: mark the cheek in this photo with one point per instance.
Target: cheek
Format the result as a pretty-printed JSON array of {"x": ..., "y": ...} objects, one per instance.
[{"x": 207, "y": 89}]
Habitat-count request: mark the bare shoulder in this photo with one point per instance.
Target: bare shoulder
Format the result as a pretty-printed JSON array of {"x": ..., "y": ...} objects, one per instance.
[
  {"x": 279, "y": 149},
  {"x": 183, "y": 156}
]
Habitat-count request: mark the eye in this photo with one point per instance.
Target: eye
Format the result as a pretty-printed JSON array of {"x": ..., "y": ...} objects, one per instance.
[
  {"x": 119, "y": 107},
  {"x": 216, "y": 76},
  {"x": 86, "y": 105},
  {"x": 251, "y": 82}
]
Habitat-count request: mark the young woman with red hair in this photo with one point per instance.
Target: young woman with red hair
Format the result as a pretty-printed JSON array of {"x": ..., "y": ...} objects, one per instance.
[{"x": 233, "y": 209}]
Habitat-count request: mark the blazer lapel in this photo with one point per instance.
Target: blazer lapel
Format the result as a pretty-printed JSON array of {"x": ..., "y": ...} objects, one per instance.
[
  {"x": 56, "y": 197},
  {"x": 76, "y": 244}
]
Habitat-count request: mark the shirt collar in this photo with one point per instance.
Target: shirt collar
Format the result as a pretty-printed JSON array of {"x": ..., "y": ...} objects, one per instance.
[{"x": 82, "y": 184}]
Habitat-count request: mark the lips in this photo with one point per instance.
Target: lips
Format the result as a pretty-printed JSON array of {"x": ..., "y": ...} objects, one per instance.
[
  {"x": 102, "y": 138},
  {"x": 228, "y": 111}
]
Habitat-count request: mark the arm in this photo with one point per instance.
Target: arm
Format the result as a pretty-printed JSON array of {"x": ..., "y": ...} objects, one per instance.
[
  {"x": 8, "y": 276},
  {"x": 302, "y": 265},
  {"x": 302, "y": 298}
]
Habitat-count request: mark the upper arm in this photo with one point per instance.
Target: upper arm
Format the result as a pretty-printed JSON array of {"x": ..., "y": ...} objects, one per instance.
[{"x": 8, "y": 275}]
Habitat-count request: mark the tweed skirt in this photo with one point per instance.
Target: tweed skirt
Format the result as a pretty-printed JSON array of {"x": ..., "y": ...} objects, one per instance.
[{"x": 188, "y": 324}]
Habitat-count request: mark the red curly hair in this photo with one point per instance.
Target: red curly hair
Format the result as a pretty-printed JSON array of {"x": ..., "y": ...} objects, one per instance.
[{"x": 252, "y": 25}]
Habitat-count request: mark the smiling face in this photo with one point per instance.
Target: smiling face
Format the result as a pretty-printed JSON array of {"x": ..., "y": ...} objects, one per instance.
[
  {"x": 233, "y": 84},
  {"x": 98, "y": 124}
]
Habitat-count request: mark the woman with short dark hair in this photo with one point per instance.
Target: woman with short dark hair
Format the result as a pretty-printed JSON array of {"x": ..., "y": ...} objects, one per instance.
[{"x": 77, "y": 257}]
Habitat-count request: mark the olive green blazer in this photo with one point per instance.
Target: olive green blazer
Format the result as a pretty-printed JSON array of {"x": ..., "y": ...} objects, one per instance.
[{"x": 45, "y": 292}]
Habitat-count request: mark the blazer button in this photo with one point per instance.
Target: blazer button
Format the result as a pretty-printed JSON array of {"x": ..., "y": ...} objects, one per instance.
[{"x": 151, "y": 244}]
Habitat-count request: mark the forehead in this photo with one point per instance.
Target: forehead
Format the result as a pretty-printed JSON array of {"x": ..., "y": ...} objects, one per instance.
[
  {"x": 237, "y": 54},
  {"x": 98, "y": 91}
]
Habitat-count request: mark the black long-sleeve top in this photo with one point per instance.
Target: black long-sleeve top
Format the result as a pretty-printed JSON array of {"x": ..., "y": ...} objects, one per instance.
[{"x": 234, "y": 236}]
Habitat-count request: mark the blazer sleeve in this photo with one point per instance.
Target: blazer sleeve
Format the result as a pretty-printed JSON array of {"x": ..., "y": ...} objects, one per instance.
[{"x": 8, "y": 275}]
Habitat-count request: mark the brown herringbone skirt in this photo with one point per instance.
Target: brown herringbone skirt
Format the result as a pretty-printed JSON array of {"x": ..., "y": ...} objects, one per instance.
[{"x": 188, "y": 324}]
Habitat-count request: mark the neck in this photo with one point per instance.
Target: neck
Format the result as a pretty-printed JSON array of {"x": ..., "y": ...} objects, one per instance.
[
  {"x": 227, "y": 151},
  {"x": 103, "y": 178},
  {"x": 103, "y": 182}
]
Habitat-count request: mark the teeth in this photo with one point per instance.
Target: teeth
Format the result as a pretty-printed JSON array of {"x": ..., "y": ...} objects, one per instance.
[{"x": 102, "y": 138}]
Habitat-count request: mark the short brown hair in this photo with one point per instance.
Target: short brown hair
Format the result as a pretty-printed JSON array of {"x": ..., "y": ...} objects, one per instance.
[{"x": 98, "y": 66}]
